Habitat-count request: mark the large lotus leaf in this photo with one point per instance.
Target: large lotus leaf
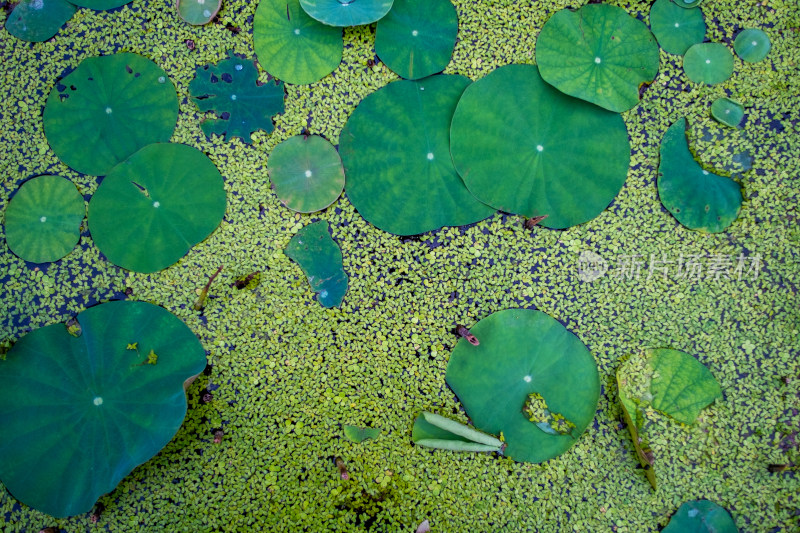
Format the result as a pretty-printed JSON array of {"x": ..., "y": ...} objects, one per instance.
[
  {"x": 525, "y": 148},
  {"x": 321, "y": 259},
  {"x": 701, "y": 516},
  {"x": 523, "y": 352},
  {"x": 43, "y": 220},
  {"x": 681, "y": 385},
  {"x": 79, "y": 413},
  {"x": 700, "y": 200},
  {"x": 152, "y": 208},
  {"x": 346, "y": 12},
  {"x": 231, "y": 91},
  {"x": 38, "y": 20},
  {"x": 100, "y": 5},
  {"x": 752, "y": 45},
  {"x": 417, "y": 37},
  {"x": 292, "y": 46},
  {"x": 709, "y": 63},
  {"x": 108, "y": 108},
  {"x": 676, "y": 28},
  {"x": 598, "y": 53},
  {"x": 396, "y": 153},
  {"x": 198, "y": 12}
]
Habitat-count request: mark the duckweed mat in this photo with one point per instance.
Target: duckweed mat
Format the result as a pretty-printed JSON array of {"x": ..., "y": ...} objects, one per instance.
[{"x": 263, "y": 446}]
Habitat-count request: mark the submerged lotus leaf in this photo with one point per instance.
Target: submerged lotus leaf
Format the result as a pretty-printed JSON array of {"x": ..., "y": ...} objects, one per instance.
[
  {"x": 358, "y": 434},
  {"x": 152, "y": 208},
  {"x": 100, "y": 5},
  {"x": 346, "y": 12},
  {"x": 523, "y": 352},
  {"x": 321, "y": 259},
  {"x": 752, "y": 45},
  {"x": 525, "y": 148},
  {"x": 727, "y": 111},
  {"x": 306, "y": 172},
  {"x": 292, "y": 46},
  {"x": 697, "y": 198},
  {"x": 701, "y": 516},
  {"x": 396, "y": 153},
  {"x": 417, "y": 37},
  {"x": 80, "y": 413},
  {"x": 38, "y": 20},
  {"x": 198, "y": 12},
  {"x": 676, "y": 28},
  {"x": 598, "y": 53},
  {"x": 709, "y": 63},
  {"x": 43, "y": 219},
  {"x": 113, "y": 104}
]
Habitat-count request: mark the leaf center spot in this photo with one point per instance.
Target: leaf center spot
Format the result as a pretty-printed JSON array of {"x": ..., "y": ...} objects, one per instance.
[
  {"x": 527, "y": 379},
  {"x": 597, "y": 60},
  {"x": 308, "y": 173},
  {"x": 43, "y": 219},
  {"x": 754, "y": 43},
  {"x": 705, "y": 173},
  {"x": 430, "y": 156},
  {"x": 233, "y": 97},
  {"x": 98, "y": 401},
  {"x": 156, "y": 204},
  {"x": 539, "y": 148},
  {"x": 201, "y": 2},
  {"x": 708, "y": 61},
  {"x": 297, "y": 31},
  {"x": 677, "y": 25},
  {"x": 108, "y": 110},
  {"x": 206, "y": 13},
  {"x": 161, "y": 79},
  {"x": 415, "y": 33}
]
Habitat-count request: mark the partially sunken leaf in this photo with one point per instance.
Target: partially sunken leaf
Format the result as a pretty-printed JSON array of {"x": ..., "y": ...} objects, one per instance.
[
  {"x": 701, "y": 516},
  {"x": 676, "y": 28},
  {"x": 752, "y": 45},
  {"x": 436, "y": 431},
  {"x": 79, "y": 413},
  {"x": 346, "y": 12},
  {"x": 38, "y": 20},
  {"x": 681, "y": 385},
  {"x": 198, "y": 12},
  {"x": 358, "y": 434},
  {"x": 709, "y": 63},
  {"x": 727, "y": 111},
  {"x": 635, "y": 421},
  {"x": 321, "y": 259}
]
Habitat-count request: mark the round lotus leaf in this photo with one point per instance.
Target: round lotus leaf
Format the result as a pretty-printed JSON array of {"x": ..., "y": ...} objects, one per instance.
[
  {"x": 100, "y": 5},
  {"x": 688, "y": 4},
  {"x": 524, "y": 353},
  {"x": 727, "y": 111},
  {"x": 292, "y": 46},
  {"x": 676, "y": 28},
  {"x": 198, "y": 12},
  {"x": 700, "y": 200},
  {"x": 709, "y": 63},
  {"x": 80, "y": 413},
  {"x": 153, "y": 207},
  {"x": 417, "y": 37},
  {"x": 43, "y": 220},
  {"x": 107, "y": 109},
  {"x": 346, "y": 12},
  {"x": 38, "y": 20},
  {"x": 701, "y": 516},
  {"x": 306, "y": 172},
  {"x": 752, "y": 45},
  {"x": 598, "y": 53},
  {"x": 525, "y": 148},
  {"x": 396, "y": 153}
]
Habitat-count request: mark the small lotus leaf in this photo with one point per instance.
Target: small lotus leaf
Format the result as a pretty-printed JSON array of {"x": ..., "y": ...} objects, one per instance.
[
  {"x": 436, "y": 431},
  {"x": 346, "y": 12},
  {"x": 523, "y": 352},
  {"x": 752, "y": 45},
  {"x": 38, "y": 20},
  {"x": 358, "y": 434},
  {"x": 700, "y": 200},
  {"x": 80, "y": 413},
  {"x": 709, "y": 63},
  {"x": 598, "y": 53},
  {"x": 231, "y": 91},
  {"x": 676, "y": 28},
  {"x": 701, "y": 516},
  {"x": 113, "y": 104},
  {"x": 43, "y": 220},
  {"x": 523, "y": 147},
  {"x": 198, "y": 12},
  {"x": 396, "y": 153},
  {"x": 417, "y": 37},
  {"x": 292, "y": 46},
  {"x": 321, "y": 259},
  {"x": 100, "y": 5},
  {"x": 681, "y": 385},
  {"x": 153, "y": 207},
  {"x": 727, "y": 111},
  {"x": 306, "y": 172}
]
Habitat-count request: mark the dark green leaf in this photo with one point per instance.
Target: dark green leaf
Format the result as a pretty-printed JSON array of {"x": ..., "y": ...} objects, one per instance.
[
  {"x": 38, "y": 20},
  {"x": 321, "y": 259},
  {"x": 701, "y": 516}
]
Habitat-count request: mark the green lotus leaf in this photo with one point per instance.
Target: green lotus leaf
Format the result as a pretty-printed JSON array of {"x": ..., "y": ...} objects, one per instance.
[
  {"x": 43, "y": 219},
  {"x": 114, "y": 104},
  {"x": 321, "y": 259},
  {"x": 598, "y": 53},
  {"x": 346, "y": 12},
  {"x": 681, "y": 385},
  {"x": 197, "y": 12},
  {"x": 436, "y": 431},
  {"x": 709, "y": 63},
  {"x": 306, "y": 172},
  {"x": 727, "y": 111},
  {"x": 100, "y": 5},
  {"x": 153, "y": 207},
  {"x": 38, "y": 20},
  {"x": 701, "y": 516},
  {"x": 417, "y": 37},
  {"x": 523, "y": 147},
  {"x": 231, "y": 91},
  {"x": 697, "y": 198},
  {"x": 676, "y": 28},
  {"x": 687, "y": 4},
  {"x": 80, "y": 413},
  {"x": 357, "y": 434},
  {"x": 752, "y": 45},
  {"x": 523, "y": 352},
  {"x": 396, "y": 153},
  {"x": 292, "y": 46}
]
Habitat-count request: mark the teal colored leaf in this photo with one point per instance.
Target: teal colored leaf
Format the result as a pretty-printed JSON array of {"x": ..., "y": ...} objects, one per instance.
[
  {"x": 708, "y": 63},
  {"x": 436, "y": 431},
  {"x": 698, "y": 199},
  {"x": 417, "y": 37},
  {"x": 292, "y": 46},
  {"x": 681, "y": 385},
  {"x": 114, "y": 104},
  {"x": 752, "y": 45},
  {"x": 346, "y": 12},
  {"x": 358, "y": 434},
  {"x": 523, "y": 147},
  {"x": 523, "y": 352},
  {"x": 727, "y": 111},
  {"x": 198, "y": 12},
  {"x": 241, "y": 106},
  {"x": 687, "y": 4},
  {"x": 38, "y": 20},
  {"x": 80, "y": 413},
  {"x": 676, "y": 28},
  {"x": 701, "y": 516},
  {"x": 598, "y": 53},
  {"x": 321, "y": 259},
  {"x": 153, "y": 207},
  {"x": 43, "y": 219},
  {"x": 100, "y": 5}
]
